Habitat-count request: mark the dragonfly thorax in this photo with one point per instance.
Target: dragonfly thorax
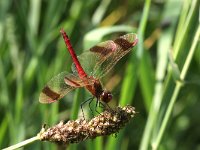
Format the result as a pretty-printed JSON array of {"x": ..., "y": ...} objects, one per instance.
[
  {"x": 106, "y": 96},
  {"x": 97, "y": 90}
]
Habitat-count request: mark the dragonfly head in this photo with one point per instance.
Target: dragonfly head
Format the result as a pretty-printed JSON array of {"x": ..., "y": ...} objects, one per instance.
[{"x": 106, "y": 96}]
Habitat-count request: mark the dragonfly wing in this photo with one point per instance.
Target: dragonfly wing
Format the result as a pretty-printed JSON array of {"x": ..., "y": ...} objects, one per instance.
[
  {"x": 55, "y": 89},
  {"x": 123, "y": 45},
  {"x": 87, "y": 61},
  {"x": 95, "y": 55},
  {"x": 102, "y": 57},
  {"x": 75, "y": 81},
  {"x": 60, "y": 85}
]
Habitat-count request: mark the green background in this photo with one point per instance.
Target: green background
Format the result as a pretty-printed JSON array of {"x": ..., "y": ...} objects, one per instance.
[{"x": 160, "y": 76}]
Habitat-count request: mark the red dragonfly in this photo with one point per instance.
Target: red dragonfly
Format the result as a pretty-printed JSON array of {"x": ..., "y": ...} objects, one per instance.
[{"x": 88, "y": 68}]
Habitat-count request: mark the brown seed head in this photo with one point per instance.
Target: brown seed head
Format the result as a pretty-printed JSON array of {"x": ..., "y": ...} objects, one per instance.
[{"x": 108, "y": 122}]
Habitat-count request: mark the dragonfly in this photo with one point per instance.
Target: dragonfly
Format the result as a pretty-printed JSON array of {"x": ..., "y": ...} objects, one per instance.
[{"x": 88, "y": 69}]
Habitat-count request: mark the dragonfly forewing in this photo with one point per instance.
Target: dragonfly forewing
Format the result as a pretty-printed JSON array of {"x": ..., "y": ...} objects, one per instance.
[
  {"x": 123, "y": 46},
  {"x": 55, "y": 89},
  {"x": 95, "y": 55},
  {"x": 60, "y": 85},
  {"x": 74, "y": 81},
  {"x": 101, "y": 58}
]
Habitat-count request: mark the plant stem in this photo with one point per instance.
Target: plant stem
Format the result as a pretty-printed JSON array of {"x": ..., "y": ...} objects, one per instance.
[
  {"x": 177, "y": 89},
  {"x": 23, "y": 143}
]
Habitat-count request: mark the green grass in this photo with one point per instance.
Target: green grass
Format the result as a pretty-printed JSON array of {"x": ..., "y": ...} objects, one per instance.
[{"x": 160, "y": 77}]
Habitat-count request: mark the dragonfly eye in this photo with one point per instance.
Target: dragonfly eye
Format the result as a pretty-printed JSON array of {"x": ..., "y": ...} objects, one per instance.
[{"x": 106, "y": 96}]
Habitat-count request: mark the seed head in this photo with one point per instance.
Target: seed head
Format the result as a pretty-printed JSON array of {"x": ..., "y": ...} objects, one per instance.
[{"x": 108, "y": 122}]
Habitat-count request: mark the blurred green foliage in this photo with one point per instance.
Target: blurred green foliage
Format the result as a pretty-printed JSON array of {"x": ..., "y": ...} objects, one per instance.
[{"x": 160, "y": 77}]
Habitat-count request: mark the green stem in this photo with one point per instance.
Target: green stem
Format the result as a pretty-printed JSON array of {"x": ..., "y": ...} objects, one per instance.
[
  {"x": 184, "y": 29},
  {"x": 176, "y": 91},
  {"x": 26, "y": 142},
  {"x": 130, "y": 80}
]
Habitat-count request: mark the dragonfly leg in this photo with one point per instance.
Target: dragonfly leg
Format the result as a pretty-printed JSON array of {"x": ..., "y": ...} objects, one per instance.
[
  {"x": 97, "y": 104},
  {"x": 105, "y": 105},
  {"x": 108, "y": 106},
  {"x": 90, "y": 106},
  {"x": 101, "y": 105},
  {"x": 90, "y": 99}
]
